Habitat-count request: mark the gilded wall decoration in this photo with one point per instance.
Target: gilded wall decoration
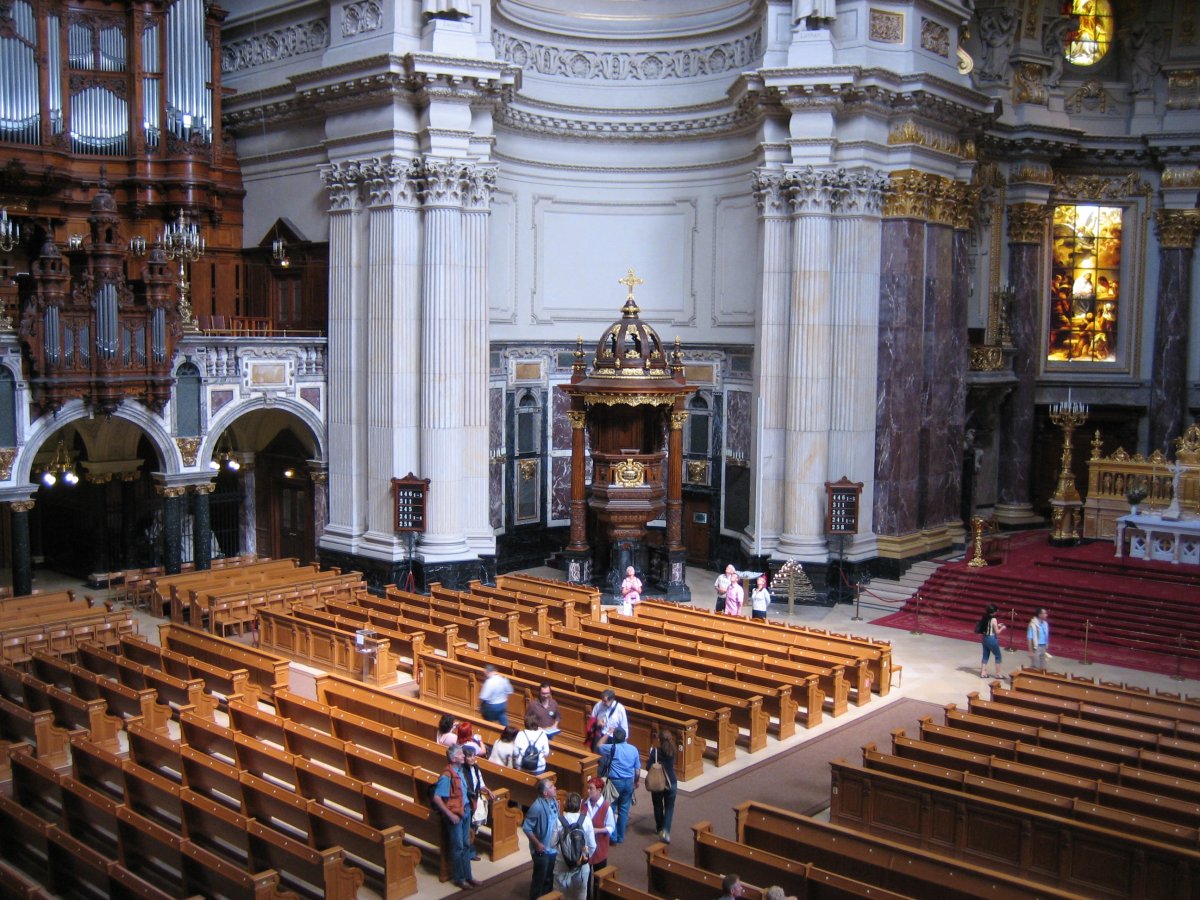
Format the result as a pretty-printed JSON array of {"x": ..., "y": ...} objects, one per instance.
[
  {"x": 697, "y": 471},
  {"x": 909, "y": 132},
  {"x": 1032, "y": 173},
  {"x": 886, "y": 27},
  {"x": 1177, "y": 228},
  {"x": 922, "y": 195},
  {"x": 1180, "y": 178},
  {"x": 1027, "y": 223},
  {"x": 1027, "y": 84},
  {"x": 7, "y": 456},
  {"x": 1092, "y": 99},
  {"x": 1101, "y": 187},
  {"x": 935, "y": 37},
  {"x": 188, "y": 448}
]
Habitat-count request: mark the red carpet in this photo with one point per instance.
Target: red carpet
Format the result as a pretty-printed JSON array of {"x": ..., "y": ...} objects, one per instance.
[{"x": 1131, "y": 613}]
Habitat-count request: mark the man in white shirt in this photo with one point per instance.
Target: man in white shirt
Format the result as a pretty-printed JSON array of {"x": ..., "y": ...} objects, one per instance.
[
  {"x": 493, "y": 696},
  {"x": 611, "y": 712}
]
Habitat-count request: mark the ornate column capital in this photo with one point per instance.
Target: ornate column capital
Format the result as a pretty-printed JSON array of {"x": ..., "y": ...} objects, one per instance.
[
  {"x": 677, "y": 420},
  {"x": 443, "y": 182},
  {"x": 812, "y": 190},
  {"x": 170, "y": 491},
  {"x": 576, "y": 418},
  {"x": 343, "y": 182},
  {"x": 770, "y": 193},
  {"x": 479, "y": 184},
  {"x": 206, "y": 488},
  {"x": 862, "y": 192},
  {"x": 21, "y": 505},
  {"x": 1177, "y": 228},
  {"x": 391, "y": 181},
  {"x": 912, "y": 194},
  {"x": 1027, "y": 223},
  {"x": 99, "y": 477}
]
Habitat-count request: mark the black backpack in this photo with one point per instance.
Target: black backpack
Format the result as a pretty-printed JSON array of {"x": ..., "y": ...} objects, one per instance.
[
  {"x": 572, "y": 843},
  {"x": 531, "y": 759}
]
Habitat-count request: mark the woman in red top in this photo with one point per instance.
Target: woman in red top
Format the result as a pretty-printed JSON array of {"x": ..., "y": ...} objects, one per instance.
[{"x": 603, "y": 821}]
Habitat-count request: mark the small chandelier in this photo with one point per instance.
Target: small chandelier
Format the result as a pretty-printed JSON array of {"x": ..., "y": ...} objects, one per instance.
[
  {"x": 10, "y": 231},
  {"x": 279, "y": 252},
  {"x": 61, "y": 466},
  {"x": 224, "y": 457}
]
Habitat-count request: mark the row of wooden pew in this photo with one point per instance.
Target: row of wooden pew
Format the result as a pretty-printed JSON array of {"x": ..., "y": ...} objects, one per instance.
[{"x": 1089, "y": 788}]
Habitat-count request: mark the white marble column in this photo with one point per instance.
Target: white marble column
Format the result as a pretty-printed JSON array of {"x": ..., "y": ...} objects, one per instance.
[
  {"x": 347, "y": 396},
  {"x": 771, "y": 351},
  {"x": 481, "y": 182},
  {"x": 443, "y": 361},
  {"x": 807, "y": 418},
  {"x": 393, "y": 338},
  {"x": 856, "y": 251}
]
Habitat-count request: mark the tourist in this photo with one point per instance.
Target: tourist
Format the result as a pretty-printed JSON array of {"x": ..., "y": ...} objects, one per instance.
[
  {"x": 465, "y": 734},
  {"x": 545, "y": 708},
  {"x": 760, "y": 599},
  {"x": 569, "y": 879},
  {"x": 663, "y": 753},
  {"x": 446, "y": 735},
  {"x": 502, "y": 750},
  {"x": 726, "y": 578},
  {"x": 735, "y": 596},
  {"x": 1038, "y": 636},
  {"x": 732, "y": 887},
  {"x": 538, "y": 827},
  {"x": 493, "y": 696},
  {"x": 611, "y": 713},
  {"x": 775, "y": 892},
  {"x": 450, "y": 799},
  {"x": 477, "y": 789},
  {"x": 600, "y": 811},
  {"x": 621, "y": 764},
  {"x": 990, "y": 628},
  {"x": 532, "y": 738},
  {"x": 631, "y": 592}
]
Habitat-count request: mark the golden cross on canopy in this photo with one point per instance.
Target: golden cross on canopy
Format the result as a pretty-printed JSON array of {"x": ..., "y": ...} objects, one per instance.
[{"x": 629, "y": 281}]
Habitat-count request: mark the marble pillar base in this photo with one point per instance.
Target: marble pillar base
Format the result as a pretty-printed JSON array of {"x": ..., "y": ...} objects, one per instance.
[
  {"x": 453, "y": 574},
  {"x": 677, "y": 589},
  {"x": 577, "y": 565},
  {"x": 1018, "y": 514}
]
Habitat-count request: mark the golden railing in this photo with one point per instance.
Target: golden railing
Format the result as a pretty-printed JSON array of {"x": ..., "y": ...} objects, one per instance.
[{"x": 1111, "y": 477}]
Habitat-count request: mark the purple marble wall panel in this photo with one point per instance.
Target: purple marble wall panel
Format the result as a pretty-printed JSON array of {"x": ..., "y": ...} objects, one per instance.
[
  {"x": 496, "y": 494},
  {"x": 219, "y": 400},
  {"x": 560, "y": 487},
  {"x": 941, "y": 449},
  {"x": 897, "y": 445},
  {"x": 1168, "y": 387},
  {"x": 311, "y": 396},
  {"x": 1016, "y": 430},
  {"x": 958, "y": 365},
  {"x": 496, "y": 419},
  {"x": 738, "y": 424},
  {"x": 560, "y": 428}
]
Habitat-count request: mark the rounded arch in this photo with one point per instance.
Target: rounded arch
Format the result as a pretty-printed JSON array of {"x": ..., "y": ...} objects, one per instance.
[
  {"x": 146, "y": 423},
  {"x": 233, "y": 419}
]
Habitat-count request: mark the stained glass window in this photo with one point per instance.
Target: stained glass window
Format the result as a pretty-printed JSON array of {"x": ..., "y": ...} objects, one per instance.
[
  {"x": 1088, "y": 43},
  {"x": 1085, "y": 288}
]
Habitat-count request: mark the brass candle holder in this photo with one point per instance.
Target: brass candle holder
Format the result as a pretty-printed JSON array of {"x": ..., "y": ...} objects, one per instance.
[
  {"x": 978, "y": 526},
  {"x": 1066, "y": 505}
]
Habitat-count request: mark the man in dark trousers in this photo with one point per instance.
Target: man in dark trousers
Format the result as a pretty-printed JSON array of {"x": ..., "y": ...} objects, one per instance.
[
  {"x": 539, "y": 826},
  {"x": 621, "y": 763}
]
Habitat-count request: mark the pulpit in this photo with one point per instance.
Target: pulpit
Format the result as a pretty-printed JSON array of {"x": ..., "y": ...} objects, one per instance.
[{"x": 630, "y": 409}]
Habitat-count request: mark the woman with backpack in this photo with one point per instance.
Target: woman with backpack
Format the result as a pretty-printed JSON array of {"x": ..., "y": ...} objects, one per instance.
[
  {"x": 990, "y": 628},
  {"x": 531, "y": 747},
  {"x": 575, "y": 839}
]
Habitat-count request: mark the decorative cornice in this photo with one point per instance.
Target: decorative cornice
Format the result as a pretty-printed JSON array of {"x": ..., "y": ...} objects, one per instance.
[
  {"x": 273, "y": 46},
  {"x": 1027, "y": 223},
  {"x": 629, "y": 399},
  {"x": 1101, "y": 187},
  {"x": 1177, "y": 228},
  {"x": 616, "y": 65},
  {"x": 1179, "y": 177},
  {"x": 361, "y": 17},
  {"x": 644, "y": 127}
]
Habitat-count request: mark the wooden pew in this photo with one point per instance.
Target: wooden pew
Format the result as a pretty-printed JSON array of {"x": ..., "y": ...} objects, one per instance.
[
  {"x": 97, "y": 768},
  {"x": 267, "y": 670},
  {"x": 1108, "y": 714},
  {"x": 25, "y": 843},
  {"x": 155, "y": 752},
  {"x": 121, "y": 701},
  {"x": 89, "y": 816},
  {"x": 153, "y": 796},
  {"x": 1116, "y": 696},
  {"x": 505, "y": 620},
  {"x": 20, "y": 726},
  {"x": 1070, "y": 855},
  {"x": 35, "y": 786},
  {"x": 744, "y": 709},
  {"x": 472, "y": 629},
  {"x": 220, "y": 682},
  {"x": 584, "y": 598},
  {"x": 73, "y": 712},
  {"x": 872, "y": 859},
  {"x": 531, "y": 614},
  {"x": 179, "y": 694},
  {"x": 877, "y": 653},
  {"x": 557, "y": 610},
  {"x": 219, "y": 781},
  {"x": 330, "y": 642}
]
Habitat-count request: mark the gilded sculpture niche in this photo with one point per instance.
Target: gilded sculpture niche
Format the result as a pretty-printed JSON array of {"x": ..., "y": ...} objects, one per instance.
[{"x": 1085, "y": 283}]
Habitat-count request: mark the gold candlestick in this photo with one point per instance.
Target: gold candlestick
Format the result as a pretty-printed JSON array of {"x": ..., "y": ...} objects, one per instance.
[
  {"x": 1066, "y": 505},
  {"x": 978, "y": 524}
]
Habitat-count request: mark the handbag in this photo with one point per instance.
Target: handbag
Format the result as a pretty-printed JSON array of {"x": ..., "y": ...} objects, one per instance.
[
  {"x": 479, "y": 816},
  {"x": 610, "y": 792},
  {"x": 656, "y": 778}
]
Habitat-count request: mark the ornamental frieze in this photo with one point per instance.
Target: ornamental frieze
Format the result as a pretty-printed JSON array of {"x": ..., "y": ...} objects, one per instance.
[
  {"x": 1100, "y": 187},
  {"x": 275, "y": 45},
  {"x": 607, "y": 65},
  {"x": 1180, "y": 178}
]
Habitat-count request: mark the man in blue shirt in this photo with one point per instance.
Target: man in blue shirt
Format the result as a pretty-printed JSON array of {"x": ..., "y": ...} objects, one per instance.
[
  {"x": 621, "y": 763},
  {"x": 450, "y": 798},
  {"x": 539, "y": 825},
  {"x": 1038, "y": 636}
]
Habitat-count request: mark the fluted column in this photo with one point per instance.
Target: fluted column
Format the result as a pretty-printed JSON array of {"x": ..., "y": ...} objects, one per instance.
[
  {"x": 201, "y": 526},
  {"x": 1177, "y": 230},
  {"x": 807, "y": 412},
  {"x": 1026, "y": 238},
  {"x": 318, "y": 473},
  {"x": 345, "y": 359},
  {"x": 443, "y": 380},
  {"x": 22, "y": 557},
  {"x": 392, "y": 377},
  {"x": 480, "y": 184},
  {"x": 856, "y": 246},
  {"x": 771, "y": 348}
]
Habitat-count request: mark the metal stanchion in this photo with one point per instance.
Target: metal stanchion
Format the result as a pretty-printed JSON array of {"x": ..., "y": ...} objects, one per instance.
[
  {"x": 917, "y": 624},
  {"x": 1178, "y": 676},
  {"x": 1012, "y": 627},
  {"x": 1087, "y": 630}
]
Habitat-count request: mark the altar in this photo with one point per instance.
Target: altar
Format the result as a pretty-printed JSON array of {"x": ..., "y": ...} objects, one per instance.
[{"x": 1160, "y": 540}]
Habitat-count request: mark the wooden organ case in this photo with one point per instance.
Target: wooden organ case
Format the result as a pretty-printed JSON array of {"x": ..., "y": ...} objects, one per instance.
[{"x": 110, "y": 134}]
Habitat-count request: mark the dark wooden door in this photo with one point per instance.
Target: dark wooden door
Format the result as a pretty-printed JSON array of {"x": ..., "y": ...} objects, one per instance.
[{"x": 697, "y": 529}]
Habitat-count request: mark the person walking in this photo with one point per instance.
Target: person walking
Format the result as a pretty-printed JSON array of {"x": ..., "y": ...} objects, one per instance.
[
  {"x": 539, "y": 828},
  {"x": 571, "y": 879},
  {"x": 990, "y": 628},
  {"x": 663, "y": 800},
  {"x": 621, "y": 763},
  {"x": 1037, "y": 635},
  {"x": 760, "y": 598},
  {"x": 493, "y": 696},
  {"x": 726, "y": 578},
  {"x": 450, "y": 799}
]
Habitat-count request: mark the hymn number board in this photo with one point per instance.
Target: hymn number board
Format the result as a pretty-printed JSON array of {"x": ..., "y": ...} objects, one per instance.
[
  {"x": 411, "y": 493},
  {"x": 841, "y": 506}
]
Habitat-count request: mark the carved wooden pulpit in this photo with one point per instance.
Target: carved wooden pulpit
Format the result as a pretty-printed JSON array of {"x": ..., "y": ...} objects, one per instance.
[{"x": 630, "y": 409}]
